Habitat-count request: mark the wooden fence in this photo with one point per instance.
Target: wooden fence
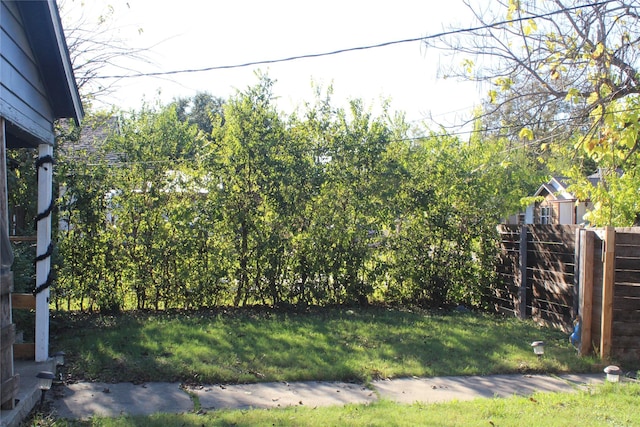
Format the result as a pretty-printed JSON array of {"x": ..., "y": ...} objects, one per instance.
[
  {"x": 537, "y": 271},
  {"x": 610, "y": 303},
  {"x": 553, "y": 273}
]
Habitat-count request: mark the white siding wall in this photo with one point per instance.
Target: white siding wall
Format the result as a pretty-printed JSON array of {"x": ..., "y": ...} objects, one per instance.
[
  {"x": 581, "y": 209},
  {"x": 23, "y": 98},
  {"x": 566, "y": 213},
  {"x": 528, "y": 215}
]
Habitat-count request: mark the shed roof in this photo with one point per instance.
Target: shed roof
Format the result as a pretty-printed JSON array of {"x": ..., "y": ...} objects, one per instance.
[{"x": 557, "y": 188}]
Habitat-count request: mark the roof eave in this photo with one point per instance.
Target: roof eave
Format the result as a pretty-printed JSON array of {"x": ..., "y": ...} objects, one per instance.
[{"x": 44, "y": 29}]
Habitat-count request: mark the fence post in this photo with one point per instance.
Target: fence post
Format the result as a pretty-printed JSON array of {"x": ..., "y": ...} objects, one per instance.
[
  {"x": 522, "y": 292},
  {"x": 608, "y": 279},
  {"x": 586, "y": 289},
  {"x": 577, "y": 267}
]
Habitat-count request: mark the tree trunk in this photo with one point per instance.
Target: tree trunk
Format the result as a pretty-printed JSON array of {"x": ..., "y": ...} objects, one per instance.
[{"x": 243, "y": 263}]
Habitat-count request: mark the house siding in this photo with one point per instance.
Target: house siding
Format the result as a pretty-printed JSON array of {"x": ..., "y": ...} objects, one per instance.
[
  {"x": 566, "y": 213},
  {"x": 562, "y": 212},
  {"x": 565, "y": 208},
  {"x": 547, "y": 203},
  {"x": 581, "y": 209},
  {"x": 23, "y": 96}
]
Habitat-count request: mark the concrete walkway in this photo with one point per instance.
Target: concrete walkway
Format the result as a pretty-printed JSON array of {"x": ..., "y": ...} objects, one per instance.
[{"x": 83, "y": 400}]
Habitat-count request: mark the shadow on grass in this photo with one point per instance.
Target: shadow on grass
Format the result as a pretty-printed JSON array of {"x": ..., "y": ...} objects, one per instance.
[{"x": 243, "y": 346}]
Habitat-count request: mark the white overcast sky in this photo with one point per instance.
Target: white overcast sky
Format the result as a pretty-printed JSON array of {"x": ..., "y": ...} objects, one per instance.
[{"x": 191, "y": 34}]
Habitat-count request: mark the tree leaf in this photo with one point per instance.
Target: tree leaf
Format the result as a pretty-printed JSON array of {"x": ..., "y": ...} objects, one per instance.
[
  {"x": 597, "y": 53},
  {"x": 526, "y": 133},
  {"x": 593, "y": 98}
]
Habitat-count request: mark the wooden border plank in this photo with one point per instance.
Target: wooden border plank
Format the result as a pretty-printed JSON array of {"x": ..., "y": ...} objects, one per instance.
[
  {"x": 24, "y": 351},
  {"x": 23, "y": 301}
]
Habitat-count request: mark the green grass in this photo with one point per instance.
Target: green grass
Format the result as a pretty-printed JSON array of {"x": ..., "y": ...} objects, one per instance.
[
  {"x": 609, "y": 404},
  {"x": 237, "y": 346},
  {"x": 240, "y": 346}
]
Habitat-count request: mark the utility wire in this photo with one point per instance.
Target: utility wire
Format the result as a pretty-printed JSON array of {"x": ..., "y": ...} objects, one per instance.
[{"x": 354, "y": 49}]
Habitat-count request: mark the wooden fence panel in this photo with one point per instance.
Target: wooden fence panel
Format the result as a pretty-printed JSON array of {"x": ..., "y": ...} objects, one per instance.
[
  {"x": 551, "y": 269},
  {"x": 585, "y": 254},
  {"x": 592, "y": 333},
  {"x": 597, "y": 293},
  {"x": 506, "y": 293},
  {"x": 626, "y": 297},
  {"x": 556, "y": 263},
  {"x": 543, "y": 288}
]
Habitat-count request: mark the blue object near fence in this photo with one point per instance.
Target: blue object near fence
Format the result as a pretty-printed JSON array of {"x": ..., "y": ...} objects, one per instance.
[{"x": 575, "y": 336}]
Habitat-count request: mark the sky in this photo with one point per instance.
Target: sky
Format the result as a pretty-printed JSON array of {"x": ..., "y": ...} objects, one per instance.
[{"x": 194, "y": 34}]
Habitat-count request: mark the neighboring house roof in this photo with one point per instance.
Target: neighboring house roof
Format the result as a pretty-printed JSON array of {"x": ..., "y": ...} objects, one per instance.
[
  {"x": 93, "y": 136},
  {"x": 37, "y": 22},
  {"x": 595, "y": 178},
  {"x": 557, "y": 188}
]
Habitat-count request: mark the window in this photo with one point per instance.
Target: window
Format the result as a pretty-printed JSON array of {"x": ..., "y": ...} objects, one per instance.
[
  {"x": 521, "y": 218},
  {"x": 545, "y": 215}
]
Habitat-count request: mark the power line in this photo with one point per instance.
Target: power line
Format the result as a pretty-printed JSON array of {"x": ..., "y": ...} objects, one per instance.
[{"x": 354, "y": 49}]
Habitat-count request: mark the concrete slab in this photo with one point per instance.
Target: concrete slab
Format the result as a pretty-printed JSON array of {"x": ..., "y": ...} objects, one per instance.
[
  {"x": 83, "y": 400},
  {"x": 444, "y": 389},
  {"x": 274, "y": 395}
]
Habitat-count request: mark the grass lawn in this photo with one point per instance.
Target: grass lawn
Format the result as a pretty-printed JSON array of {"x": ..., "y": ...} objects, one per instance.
[{"x": 243, "y": 346}]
